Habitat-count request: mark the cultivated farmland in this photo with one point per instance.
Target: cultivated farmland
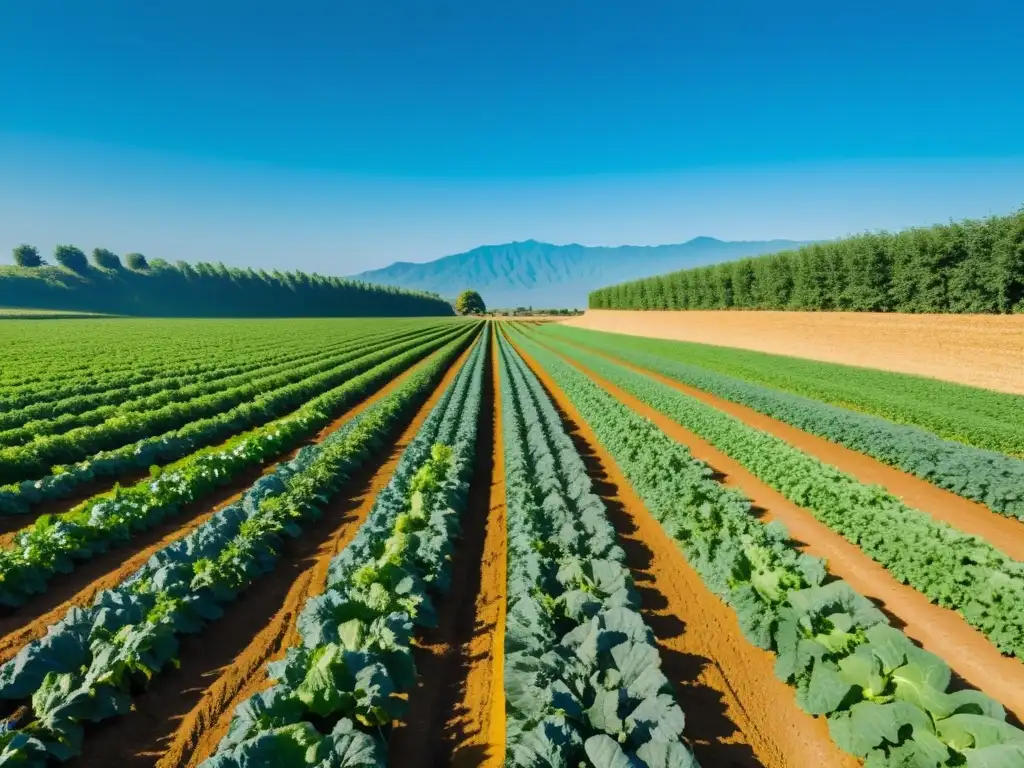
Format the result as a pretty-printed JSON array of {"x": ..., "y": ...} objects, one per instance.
[{"x": 439, "y": 541}]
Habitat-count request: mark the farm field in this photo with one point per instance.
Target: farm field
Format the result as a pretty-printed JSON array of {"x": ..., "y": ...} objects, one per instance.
[
  {"x": 7, "y": 313},
  {"x": 423, "y": 542},
  {"x": 977, "y": 350}
]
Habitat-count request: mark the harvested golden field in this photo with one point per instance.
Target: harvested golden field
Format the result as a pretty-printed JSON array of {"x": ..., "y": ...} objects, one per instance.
[{"x": 979, "y": 350}]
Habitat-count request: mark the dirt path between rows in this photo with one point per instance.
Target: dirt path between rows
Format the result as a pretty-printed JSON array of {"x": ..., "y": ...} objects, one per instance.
[
  {"x": 1004, "y": 533},
  {"x": 737, "y": 712},
  {"x": 108, "y": 569},
  {"x": 977, "y": 350},
  {"x": 943, "y": 632},
  {"x": 226, "y": 667},
  {"x": 456, "y": 712}
]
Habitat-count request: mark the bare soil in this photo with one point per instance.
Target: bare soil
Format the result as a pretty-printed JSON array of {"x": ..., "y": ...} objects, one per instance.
[
  {"x": 965, "y": 515},
  {"x": 207, "y": 696},
  {"x": 945, "y": 633},
  {"x": 737, "y": 712},
  {"x": 456, "y": 711},
  {"x": 978, "y": 350}
]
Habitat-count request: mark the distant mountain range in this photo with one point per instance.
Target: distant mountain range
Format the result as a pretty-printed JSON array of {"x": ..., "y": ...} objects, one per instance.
[{"x": 545, "y": 275}]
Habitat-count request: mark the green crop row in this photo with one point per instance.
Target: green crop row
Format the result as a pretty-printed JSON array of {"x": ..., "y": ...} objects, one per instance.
[
  {"x": 36, "y": 458},
  {"x": 19, "y": 498},
  {"x": 53, "y": 543},
  {"x": 957, "y": 571},
  {"x": 45, "y": 357},
  {"x": 333, "y": 701},
  {"x": 93, "y": 661},
  {"x": 215, "y": 391},
  {"x": 176, "y": 384},
  {"x": 978, "y": 417},
  {"x": 885, "y": 699},
  {"x": 44, "y": 362},
  {"x": 582, "y": 674},
  {"x": 991, "y": 478}
]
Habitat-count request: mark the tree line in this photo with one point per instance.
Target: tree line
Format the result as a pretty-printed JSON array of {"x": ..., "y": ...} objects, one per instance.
[
  {"x": 158, "y": 288},
  {"x": 970, "y": 266}
]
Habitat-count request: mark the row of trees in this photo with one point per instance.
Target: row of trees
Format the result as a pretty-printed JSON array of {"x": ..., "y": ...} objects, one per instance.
[
  {"x": 158, "y": 288},
  {"x": 73, "y": 258},
  {"x": 971, "y": 266}
]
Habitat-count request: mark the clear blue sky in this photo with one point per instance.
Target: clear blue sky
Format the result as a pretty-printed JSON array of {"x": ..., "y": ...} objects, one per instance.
[{"x": 343, "y": 135}]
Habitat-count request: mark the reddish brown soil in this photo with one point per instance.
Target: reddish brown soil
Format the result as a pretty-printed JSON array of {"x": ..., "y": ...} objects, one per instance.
[
  {"x": 737, "y": 712},
  {"x": 943, "y": 632},
  {"x": 968, "y": 516},
  {"x": 20, "y": 626},
  {"x": 979, "y": 350},
  {"x": 455, "y": 708},
  {"x": 184, "y": 717}
]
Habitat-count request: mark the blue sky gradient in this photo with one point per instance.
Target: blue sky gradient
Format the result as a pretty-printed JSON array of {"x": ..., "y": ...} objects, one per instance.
[{"x": 340, "y": 136}]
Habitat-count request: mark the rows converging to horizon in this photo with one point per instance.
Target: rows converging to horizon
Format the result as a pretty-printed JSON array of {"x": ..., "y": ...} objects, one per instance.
[{"x": 424, "y": 541}]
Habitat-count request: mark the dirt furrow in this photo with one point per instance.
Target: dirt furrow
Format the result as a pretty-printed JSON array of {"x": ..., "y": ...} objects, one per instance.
[
  {"x": 939, "y": 630},
  {"x": 181, "y": 720},
  {"x": 456, "y": 712},
  {"x": 108, "y": 569},
  {"x": 971, "y": 517},
  {"x": 737, "y": 712}
]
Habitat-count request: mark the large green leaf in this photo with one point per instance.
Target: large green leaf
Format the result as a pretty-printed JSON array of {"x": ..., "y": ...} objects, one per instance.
[
  {"x": 351, "y": 748},
  {"x": 604, "y": 714},
  {"x": 670, "y": 754},
  {"x": 966, "y": 731},
  {"x": 291, "y": 746},
  {"x": 323, "y": 689},
  {"x": 657, "y": 718},
  {"x": 553, "y": 743},
  {"x": 275, "y": 707},
  {"x": 605, "y": 752},
  {"x": 863, "y": 669},
  {"x": 920, "y": 685},
  {"x": 970, "y": 702},
  {"x": 996, "y": 756},
  {"x": 827, "y": 689},
  {"x": 891, "y": 646},
  {"x": 640, "y": 668},
  {"x": 867, "y": 725}
]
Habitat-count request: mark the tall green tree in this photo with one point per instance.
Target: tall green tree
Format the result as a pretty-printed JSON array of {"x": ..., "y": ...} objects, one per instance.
[
  {"x": 27, "y": 256},
  {"x": 137, "y": 262},
  {"x": 975, "y": 265},
  {"x": 470, "y": 303},
  {"x": 70, "y": 257},
  {"x": 105, "y": 259}
]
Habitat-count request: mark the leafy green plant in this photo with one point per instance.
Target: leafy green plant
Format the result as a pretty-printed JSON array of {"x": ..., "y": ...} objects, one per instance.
[
  {"x": 831, "y": 644},
  {"x": 582, "y": 675},
  {"x": 226, "y": 409},
  {"x": 985, "y": 476},
  {"x": 355, "y": 651},
  {"x": 955, "y": 570},
  {"x": 95, "y": 659}
]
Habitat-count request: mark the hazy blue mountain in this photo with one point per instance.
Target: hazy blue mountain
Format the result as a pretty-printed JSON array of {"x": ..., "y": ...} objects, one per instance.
[{"x": 545, "y": 275}]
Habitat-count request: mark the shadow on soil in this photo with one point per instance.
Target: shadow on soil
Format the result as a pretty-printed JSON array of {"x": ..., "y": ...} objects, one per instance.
[
  {"x": 706, "y": 716},
  {"x": 139, "y": 738},
  {"x": 438, "y": 726}
]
